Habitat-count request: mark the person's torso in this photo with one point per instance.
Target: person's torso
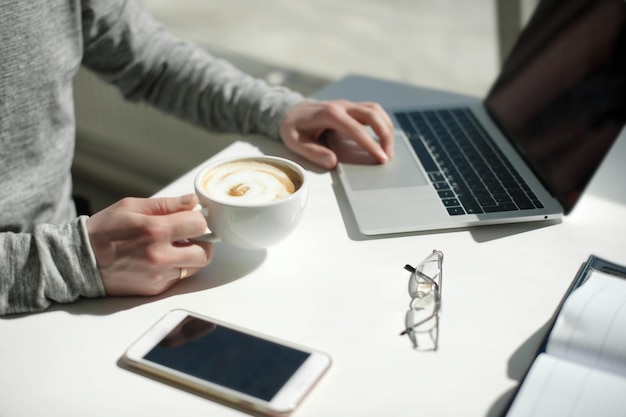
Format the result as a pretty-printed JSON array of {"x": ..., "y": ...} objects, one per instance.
[{"x": 40, "y": 52}]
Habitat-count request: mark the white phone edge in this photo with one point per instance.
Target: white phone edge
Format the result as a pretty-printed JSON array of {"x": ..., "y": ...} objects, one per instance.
[{"x": 284, "y": 402}]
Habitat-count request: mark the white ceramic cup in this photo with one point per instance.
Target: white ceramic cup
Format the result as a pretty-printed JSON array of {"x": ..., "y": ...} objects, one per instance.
[{"x": 255, "y": 222}]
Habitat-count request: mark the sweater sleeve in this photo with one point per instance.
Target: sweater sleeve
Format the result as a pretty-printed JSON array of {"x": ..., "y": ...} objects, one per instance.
[
  {"x": 128, "y": 48},
  {"x": 51, "y": 264}
]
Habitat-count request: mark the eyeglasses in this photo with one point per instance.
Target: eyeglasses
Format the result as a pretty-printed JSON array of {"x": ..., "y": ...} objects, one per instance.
[{"x": 422, "y": 319}]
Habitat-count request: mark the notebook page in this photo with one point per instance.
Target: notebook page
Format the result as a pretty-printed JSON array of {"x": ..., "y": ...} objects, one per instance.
[
  {"x": 591, "y": 327},
  {"x": 559, "y": 388}
]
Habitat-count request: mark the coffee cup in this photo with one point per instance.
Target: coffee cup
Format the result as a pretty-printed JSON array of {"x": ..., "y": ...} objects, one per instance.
[{"x": 251, "y": 202}]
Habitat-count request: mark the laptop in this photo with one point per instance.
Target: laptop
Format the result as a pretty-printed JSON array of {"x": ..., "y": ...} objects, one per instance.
[{"x": 523, "y": 153}]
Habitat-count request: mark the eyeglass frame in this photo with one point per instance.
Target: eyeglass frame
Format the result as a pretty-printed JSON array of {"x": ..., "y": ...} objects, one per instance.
[{"x": 417, "y": 275}]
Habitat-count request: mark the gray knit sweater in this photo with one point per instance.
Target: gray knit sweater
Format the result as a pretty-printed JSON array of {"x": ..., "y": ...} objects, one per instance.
[{"x": 45, "y": 255}]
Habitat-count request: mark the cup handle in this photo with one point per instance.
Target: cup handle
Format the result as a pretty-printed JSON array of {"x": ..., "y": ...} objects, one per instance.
[{"x": 208, "y": 236}]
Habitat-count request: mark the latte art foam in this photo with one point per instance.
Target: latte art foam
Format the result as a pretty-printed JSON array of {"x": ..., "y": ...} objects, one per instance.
[{"x": 250, "y": 182}]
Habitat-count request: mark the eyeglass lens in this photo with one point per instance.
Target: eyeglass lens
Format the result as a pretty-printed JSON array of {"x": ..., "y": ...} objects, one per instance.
[{"x": 422, "y": 319}]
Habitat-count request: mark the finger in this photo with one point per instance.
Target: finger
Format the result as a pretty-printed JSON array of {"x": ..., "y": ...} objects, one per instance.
[
  {"x": 373, "y": 115},
  {"x": 181, "y": 273},
  {"x": 165, "y": 205},
  {"x": 369, "y": 112},
  {"x": 179, "y": 226},
  {"x": 181, "y": 261},
  {"x": 165, "y": 229},
  {"x": 314, "y": 151},
  {"x": 193, "y": 254},
  {"x": 191, "y": 258},
  {"x": 347, "y": 126}
]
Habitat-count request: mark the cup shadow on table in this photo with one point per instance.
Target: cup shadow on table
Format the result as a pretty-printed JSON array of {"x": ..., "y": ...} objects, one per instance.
[
  {"x": 228, "y": 265},
  {"x": 348, "y": 152}
]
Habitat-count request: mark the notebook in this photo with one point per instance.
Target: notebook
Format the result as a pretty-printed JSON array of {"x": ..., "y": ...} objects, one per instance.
[
  {"x": 523, "y": 153},
  {"x": 580, "y": 368}
]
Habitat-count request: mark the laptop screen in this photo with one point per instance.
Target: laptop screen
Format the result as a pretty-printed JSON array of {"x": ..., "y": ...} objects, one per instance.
[{"x": 561, "y": 95}]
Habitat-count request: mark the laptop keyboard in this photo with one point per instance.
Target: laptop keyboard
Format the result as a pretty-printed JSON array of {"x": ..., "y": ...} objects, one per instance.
[{"x": 470, "y": 174}]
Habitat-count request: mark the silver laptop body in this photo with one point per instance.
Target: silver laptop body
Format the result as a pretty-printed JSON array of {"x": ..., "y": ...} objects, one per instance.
[{"x": 535, "y": 87}]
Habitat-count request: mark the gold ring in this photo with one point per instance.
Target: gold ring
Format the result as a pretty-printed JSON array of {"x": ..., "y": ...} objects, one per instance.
[{"x": 183, "y": 273}]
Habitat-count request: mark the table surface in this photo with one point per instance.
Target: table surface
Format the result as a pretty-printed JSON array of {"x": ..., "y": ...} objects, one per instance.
[{"x": 328, "y": 287}]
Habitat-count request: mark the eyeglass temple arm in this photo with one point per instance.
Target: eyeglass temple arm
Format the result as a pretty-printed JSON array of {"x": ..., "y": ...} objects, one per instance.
[
  {"x": 408, "y": 329},
  {"x": 415, "y": 271}
]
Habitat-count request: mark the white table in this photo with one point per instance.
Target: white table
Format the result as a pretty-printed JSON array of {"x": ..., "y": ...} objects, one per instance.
[{"x": 330, "y": 288}]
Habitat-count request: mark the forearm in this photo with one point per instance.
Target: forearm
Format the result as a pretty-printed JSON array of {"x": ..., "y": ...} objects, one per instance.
[
  {"x": 128, "y": 48},
  {"x": 211, "y": 93},
  {"x": 52, "y": 264}
]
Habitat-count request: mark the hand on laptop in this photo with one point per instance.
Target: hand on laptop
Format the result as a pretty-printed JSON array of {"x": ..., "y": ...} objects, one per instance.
[{"x": 307, "y": 124}]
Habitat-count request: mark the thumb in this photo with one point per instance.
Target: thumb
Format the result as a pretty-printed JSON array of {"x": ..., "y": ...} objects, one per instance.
[
  {"x": 169, "y": 205},
  {"x": 321, "y": 155}
]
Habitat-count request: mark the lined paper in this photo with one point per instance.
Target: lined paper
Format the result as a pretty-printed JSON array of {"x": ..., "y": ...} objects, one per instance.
[{"x": 583, "y": 370}]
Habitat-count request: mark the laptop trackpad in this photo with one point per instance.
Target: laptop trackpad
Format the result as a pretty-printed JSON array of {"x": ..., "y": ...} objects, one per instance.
[{"x": 364, "y": 173}]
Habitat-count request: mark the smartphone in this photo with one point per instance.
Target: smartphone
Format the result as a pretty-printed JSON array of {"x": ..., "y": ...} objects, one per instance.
[{"x": 235, "y": 366}]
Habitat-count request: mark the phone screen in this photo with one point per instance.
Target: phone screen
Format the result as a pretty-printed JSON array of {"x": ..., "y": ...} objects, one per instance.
[{"x": 227, "y": 357}]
